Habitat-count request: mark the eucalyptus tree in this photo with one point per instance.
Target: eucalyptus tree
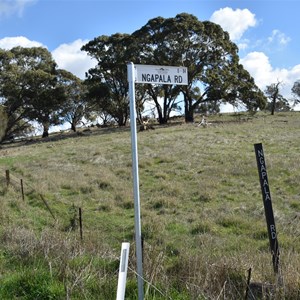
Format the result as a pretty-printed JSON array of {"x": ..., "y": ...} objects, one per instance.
[
  {"x": 110, "y": 73},
  {"x": 296, "y": 92},
  {"x": 98, "y": 99},
  {"x": 75, "y": 107},
  {"x": 32, "y": 88},
  {"x": 11, "y": 88},
  {"x": 205, "y": 49},
  {"x": 44, "y": 99},
  {"x": 154, "y": 45},
  {"x": 25, "y": 76},
  {"x": 240, "y": 88},
  {"x": 277, "y": 101}
]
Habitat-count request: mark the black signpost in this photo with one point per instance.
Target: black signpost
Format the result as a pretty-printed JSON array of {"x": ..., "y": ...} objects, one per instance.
[{"x": 264, "y": 183}]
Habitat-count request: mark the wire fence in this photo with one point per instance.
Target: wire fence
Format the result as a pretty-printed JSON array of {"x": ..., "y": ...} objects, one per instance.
[{"x": 9, "y": 181}]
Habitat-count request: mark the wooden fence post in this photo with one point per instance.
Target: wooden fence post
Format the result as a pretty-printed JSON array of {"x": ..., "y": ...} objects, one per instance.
[
  {"x": 7, "y": 178},
  {"x": 22, "y": 190},
  {"x": 80, "y": 223},
  {"x": 248, "y": 283}
]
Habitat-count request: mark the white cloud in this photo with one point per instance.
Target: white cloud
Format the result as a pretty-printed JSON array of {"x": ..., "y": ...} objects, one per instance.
[
  {"x": 72, "y": 59},
  {"x": 9, "y": 42},
  {"x": 67, "y": 56},
  {"x": 279, "y": 37},
  {"x": 10, "y": 7},
  {"x": 236, "y": 22},
  {"x": 260, "y": 68},
  {"x": 243, "y": 45}
]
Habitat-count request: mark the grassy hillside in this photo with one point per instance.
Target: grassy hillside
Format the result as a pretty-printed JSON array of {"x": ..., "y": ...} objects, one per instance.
[{"x": 202, "y": 213}]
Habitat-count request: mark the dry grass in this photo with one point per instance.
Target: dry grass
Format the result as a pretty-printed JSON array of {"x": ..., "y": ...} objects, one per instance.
[{"x": 202, "y": 214}]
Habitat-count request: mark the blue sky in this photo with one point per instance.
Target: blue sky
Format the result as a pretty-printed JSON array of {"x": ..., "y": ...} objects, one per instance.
[{"x": 266, "y": 31}]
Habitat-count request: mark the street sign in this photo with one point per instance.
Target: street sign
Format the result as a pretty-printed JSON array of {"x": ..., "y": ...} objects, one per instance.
[
  {"x": 161, "y": 74},
  {"x": 151, "y": 75},
  {"x": 266, "y": 195}
]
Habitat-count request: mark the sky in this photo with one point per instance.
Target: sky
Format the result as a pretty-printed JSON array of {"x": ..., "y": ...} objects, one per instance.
[{"x": 266, "y": 31}]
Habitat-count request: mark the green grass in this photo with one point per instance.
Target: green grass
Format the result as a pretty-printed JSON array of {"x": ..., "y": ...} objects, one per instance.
[{"x": 202, "y": 214}]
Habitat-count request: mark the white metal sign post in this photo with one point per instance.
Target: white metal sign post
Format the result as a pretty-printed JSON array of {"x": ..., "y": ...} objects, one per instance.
[
  {"x": 151, "y": 75},
  {"x": 135, "y": 173}
]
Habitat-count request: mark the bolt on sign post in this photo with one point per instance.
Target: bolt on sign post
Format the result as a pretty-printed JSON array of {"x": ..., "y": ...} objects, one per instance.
[
  {"x": 147, "y": 74},
  {"x": 264, "y": 183}
]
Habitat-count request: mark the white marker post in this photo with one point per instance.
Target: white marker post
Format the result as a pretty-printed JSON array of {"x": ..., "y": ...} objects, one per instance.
[
  {"x": 123, "y": 271},
  {"x": 155, "y": 75}
]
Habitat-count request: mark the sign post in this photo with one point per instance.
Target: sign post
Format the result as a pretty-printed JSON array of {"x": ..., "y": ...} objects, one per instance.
[
  {"x": 264, "y": 183},
  {"x": 135, "y": 173},
  {"x": 148, "y": 74}
]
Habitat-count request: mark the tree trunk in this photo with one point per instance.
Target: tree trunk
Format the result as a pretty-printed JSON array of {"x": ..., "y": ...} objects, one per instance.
[
  {"x": 73, "y": 127},
  {"x": 45, "y": 130},
  {"x": 3, "y": 123},
  {"x": 162, "y": 121},
  {"x": 45, "y": 134},
  {"x": 188, "y": 110},
  {"x": 274, "y": 97},
  {"x": 189, "y": 116},
  {"x": 273, "y": 106}
]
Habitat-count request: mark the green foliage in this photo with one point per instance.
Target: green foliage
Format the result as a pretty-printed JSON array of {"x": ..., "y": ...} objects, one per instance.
[
  {"x": 27, "y": 87},
  {"x": 203, "y": 47},
  {"x": 296, "y": 92},
  {"x": 111, "y": 53},
  {"x": 75, "y": 106},
  {"x": 33, "y": 89},
  {"x": 277, "y": 101},
  {"x": 200, "y": 46}
]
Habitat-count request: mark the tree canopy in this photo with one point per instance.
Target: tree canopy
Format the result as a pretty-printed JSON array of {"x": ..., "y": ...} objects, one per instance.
[
  {"x": 110, "y": 74},
  {"x": 29, "y": 89},
  {"x": 75, "y": 106},
  {"x": 296, "y": 92},
  {"x": 33, "y": 89},
  {"x": 277, "y": 101},
  {"x": 214, "y": 72}
]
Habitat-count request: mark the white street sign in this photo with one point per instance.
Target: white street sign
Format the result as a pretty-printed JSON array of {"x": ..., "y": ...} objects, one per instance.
[
  {"x": 153, "y": 75},
  {"x": 161, "y": 74}
]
